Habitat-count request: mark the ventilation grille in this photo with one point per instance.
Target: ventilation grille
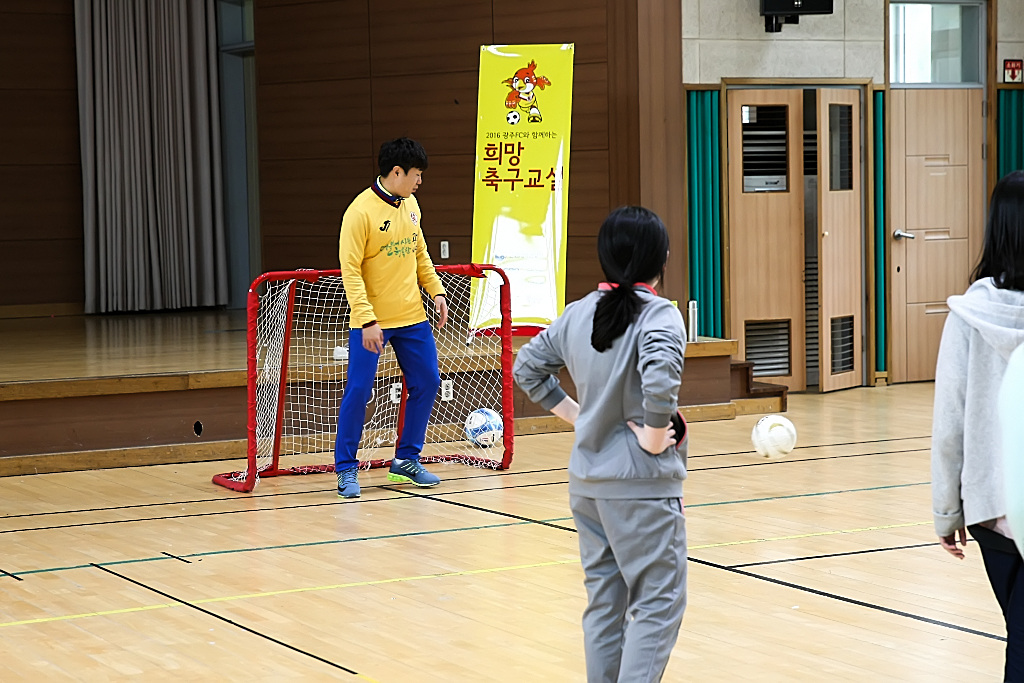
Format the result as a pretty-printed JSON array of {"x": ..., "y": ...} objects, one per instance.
[
  {"x": 768, "y": 347},
  {"x": 842, "y": 344},
  {"x": 810, "y": 152},
  {"x": 811, "y": 316},
  {"x": 765, "y": 148},
  {"x": 840, "y": 125}
]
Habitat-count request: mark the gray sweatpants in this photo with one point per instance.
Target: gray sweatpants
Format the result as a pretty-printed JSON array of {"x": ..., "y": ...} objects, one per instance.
[{"x": 634, "y": 558}]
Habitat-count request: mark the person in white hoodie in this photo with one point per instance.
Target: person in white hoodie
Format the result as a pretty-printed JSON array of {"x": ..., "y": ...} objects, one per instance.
[{"x": 983, "y": 328}]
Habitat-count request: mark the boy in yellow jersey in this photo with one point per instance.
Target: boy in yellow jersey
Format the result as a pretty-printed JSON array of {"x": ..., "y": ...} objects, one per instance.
[{"x": 384, "y": 262}]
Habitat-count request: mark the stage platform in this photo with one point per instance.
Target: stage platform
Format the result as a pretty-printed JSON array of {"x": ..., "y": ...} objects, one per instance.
[{"x": 92, "y": 392}]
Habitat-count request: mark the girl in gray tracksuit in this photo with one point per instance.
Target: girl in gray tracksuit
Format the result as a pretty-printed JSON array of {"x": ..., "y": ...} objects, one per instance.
[
  {"x": 984, "y": 326},
  {"x": 623, "y": 346}
]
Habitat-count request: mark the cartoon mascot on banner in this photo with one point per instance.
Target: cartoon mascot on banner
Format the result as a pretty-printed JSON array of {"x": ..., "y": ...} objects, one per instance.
[{"x": 523, "y": 97}]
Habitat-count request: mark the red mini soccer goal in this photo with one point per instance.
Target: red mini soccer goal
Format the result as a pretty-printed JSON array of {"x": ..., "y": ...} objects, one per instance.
[{"x": 298, "y": 359}]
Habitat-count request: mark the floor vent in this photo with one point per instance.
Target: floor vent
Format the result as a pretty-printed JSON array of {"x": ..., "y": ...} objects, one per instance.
[
  {"x": 842, "y": 344},
  {"x": 768, "y": 347},
  {"x": 811, "y": 316}
]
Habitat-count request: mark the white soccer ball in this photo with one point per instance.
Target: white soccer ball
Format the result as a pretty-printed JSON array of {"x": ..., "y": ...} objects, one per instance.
[
  {"x": 512, "y": 117},
  {"x": 773, "y": 436},
  {"x": 484, "y": 427}
]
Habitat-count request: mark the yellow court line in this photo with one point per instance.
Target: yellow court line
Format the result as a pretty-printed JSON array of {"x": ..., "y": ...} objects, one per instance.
[
  {"x": 380, "y": 582},
  {"x": 354, "y": 584},
  {"x": 789, "y": 538}
]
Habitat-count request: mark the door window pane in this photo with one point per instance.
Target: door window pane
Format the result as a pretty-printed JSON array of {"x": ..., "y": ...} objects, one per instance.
[
  {"x": 840, "y": 143},
  {"x": 765, "y": 148},
  {"x": 935, "y": 42}
]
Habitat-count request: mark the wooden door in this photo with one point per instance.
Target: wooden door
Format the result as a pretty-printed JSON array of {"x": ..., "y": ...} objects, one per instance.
[
  {"x": 840, "y": 239},
  {"x": 937, "y": 217},
  {"x": 766, "y": 232}
]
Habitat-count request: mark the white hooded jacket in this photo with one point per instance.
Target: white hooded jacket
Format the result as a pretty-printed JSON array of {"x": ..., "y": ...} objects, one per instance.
[{"x": 984, "y": 327}]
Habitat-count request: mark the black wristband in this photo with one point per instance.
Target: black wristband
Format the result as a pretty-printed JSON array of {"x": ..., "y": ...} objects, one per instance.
[{"x": 370, "y": 324}]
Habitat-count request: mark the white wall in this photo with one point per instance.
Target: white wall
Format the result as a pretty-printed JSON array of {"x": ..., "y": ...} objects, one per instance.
[
  {"x": 1010, "y": 34},
  {"x": 726, "y": 39}
]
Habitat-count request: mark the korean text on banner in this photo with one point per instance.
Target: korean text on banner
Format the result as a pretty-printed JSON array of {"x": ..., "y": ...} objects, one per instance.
[{"x": 521, "y": 193}]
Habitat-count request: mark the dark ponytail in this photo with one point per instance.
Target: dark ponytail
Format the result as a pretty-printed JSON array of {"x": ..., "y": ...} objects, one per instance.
[
  {"x": 632, "y": 247},
  {"x": 1002, "y": 256}
]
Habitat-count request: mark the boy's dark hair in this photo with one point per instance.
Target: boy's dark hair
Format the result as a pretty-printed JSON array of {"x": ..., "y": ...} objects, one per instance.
[
  {"x": 404, "y": 153},
  {"x": 632, "y": 246},
  {"x": 1002, "y": 256}
]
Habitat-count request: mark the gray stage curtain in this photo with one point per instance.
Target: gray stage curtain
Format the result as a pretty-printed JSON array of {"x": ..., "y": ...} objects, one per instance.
[{"x": 151, "y": 167}]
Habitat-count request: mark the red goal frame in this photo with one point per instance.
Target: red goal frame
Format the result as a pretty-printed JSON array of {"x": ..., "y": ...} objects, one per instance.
[{"x": 245, "y": 482}]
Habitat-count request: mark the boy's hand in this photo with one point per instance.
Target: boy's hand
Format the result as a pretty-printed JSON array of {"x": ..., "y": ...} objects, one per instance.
[
  {"x": 373, "y": 339},
  {"x": 654, "y": 440},
  {"x": 949, "y": 543},
  {"x": 441, "y": 304}
]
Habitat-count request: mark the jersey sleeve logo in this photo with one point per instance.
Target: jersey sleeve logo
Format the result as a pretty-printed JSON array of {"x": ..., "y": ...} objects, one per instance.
[
  {"x": 384, "y": 228},
  {"x": 415, "y": 219}
]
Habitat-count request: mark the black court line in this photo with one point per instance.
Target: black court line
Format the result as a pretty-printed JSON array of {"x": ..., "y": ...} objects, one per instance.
[
  {"x": 229, "y": 621},
  {"x": 821, "y": 557},
  {"x": 7, "y": 573},
  {"x": 787, "y": 461},
  {"x": 257, "y": 496},
  {"x": 841, "y": 598},
  {"x": 175, "y": 557},
  {"x": 489, "y": 473},
  {"x": 388, "y": 488},
  {"x": 413, "y": 494},
  {"x": 196, "y": 514},
  {"x": 824, "y": 445}
]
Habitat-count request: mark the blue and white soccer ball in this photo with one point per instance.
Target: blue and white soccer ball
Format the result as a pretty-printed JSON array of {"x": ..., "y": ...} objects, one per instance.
[{"x": 484, "y": 427}]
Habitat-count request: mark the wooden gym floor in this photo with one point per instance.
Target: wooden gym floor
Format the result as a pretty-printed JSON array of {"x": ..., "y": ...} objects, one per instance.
[{"x": 821, "y": 566}]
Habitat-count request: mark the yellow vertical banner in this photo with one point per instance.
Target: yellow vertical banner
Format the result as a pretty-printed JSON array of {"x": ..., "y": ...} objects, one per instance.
[{"x": 521, "y": 193}]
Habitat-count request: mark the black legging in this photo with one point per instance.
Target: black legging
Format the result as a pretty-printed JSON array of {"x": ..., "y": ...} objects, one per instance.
[{"x": 1003, "y": 564}]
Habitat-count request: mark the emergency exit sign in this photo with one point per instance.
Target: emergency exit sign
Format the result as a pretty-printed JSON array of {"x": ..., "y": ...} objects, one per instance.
[{"x": 1013, "y": 71}]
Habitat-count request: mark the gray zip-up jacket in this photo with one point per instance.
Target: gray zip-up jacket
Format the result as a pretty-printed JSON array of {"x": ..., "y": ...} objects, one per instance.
[
  {"x": 636, "y": 379},
  {"x": 984, "y": 326}
]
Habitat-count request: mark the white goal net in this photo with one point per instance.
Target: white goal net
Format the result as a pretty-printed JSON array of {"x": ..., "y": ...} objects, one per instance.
[{"x": 298, "y": 344}]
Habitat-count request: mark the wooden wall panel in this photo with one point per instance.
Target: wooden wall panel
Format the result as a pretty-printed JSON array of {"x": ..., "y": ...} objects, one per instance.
[
  {"x": 446, "y": 198},
  {"x": 308, "y": 196},
  {"x": 38, "y": 7},
  {"x": 37, "y": 51},
  {"x": 21, "y": 279},
  {"x": 39, "y": 126},
  {"x": 313, "y": 41},
  {"x": 290, "y": 252},
  {"x": 438, "y": 110},
  {"x": 588, "y": 192},
  {"x": 41, "y": 202},
  {"x": 581, "y": 22},
  {"x": 315, "y": 120},
  {"x": 40, "y": 167},
  {"x": 660, "y": 93},
  {"x": 590, "y": 107},
  {"x": 441, "y": 36}
]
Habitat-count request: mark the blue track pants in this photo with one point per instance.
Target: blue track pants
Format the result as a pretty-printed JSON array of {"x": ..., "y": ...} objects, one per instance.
[{"x": 417, "y": 356}]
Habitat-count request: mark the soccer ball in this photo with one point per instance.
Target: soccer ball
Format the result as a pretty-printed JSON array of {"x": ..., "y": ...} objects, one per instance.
[
  {"x": 512, "y": 117},
  {"x": 773, "y": 436},
  {"x": 484, "y": 427}
]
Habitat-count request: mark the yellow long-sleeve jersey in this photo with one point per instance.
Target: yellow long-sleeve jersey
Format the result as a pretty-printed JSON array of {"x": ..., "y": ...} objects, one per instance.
[{"x": 384, "y": 260}]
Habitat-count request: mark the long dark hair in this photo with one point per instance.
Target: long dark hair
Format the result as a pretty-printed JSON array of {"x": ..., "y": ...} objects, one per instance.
[
  {"x": 632, "y": 247},
  {"x": 1002, "y": 257}
]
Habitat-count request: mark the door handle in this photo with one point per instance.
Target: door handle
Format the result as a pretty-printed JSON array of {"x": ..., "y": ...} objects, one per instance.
[{"x": 900, "y": 234}]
